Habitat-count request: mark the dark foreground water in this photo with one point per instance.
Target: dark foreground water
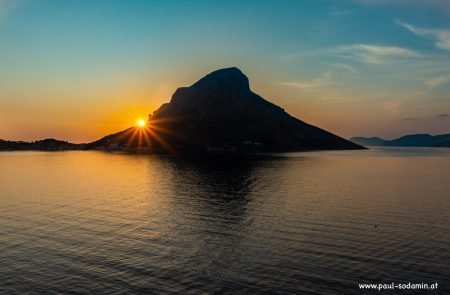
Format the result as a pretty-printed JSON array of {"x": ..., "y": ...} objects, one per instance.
[{"x": 305, "y": 223}]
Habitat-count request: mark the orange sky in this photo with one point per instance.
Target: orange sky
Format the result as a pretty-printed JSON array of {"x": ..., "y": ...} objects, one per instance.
[{"x": 78, "y": 71}]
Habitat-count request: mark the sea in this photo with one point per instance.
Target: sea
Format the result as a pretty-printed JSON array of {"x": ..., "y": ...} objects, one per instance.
[{"x": 93, "y": 222}]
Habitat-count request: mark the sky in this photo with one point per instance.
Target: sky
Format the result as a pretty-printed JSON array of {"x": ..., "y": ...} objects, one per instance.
[{"x": 79, "y": 70}]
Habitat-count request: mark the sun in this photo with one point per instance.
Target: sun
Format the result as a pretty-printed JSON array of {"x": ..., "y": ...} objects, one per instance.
[{"x": 141, "y": 123}]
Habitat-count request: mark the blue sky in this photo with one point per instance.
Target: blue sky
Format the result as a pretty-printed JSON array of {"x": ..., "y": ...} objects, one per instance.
[{"x": 79, "y": 69}]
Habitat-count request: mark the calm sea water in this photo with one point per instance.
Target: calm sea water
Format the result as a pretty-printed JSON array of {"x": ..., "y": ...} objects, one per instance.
[{"x": 303, "y": 223}]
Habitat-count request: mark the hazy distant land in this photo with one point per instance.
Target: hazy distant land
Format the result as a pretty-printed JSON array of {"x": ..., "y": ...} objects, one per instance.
[
  {"x": 48, "y": 144},
  {"x": 413, "y": 140}
]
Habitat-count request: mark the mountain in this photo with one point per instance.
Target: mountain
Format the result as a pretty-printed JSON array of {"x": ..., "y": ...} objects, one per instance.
[
  {"x": 418, "y": 140},
  {"x": 221, "y": 113},
  {"x": 368, "y": 141},
  {"x": 445, "y": 143},
  {"x": 48, "y": 144}
]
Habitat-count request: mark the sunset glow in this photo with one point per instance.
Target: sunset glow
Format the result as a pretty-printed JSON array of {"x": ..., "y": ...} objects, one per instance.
[
  {"x": 141, "y": 123},
  {"x": 292, "y": 146},
  {"x": 311, "y": 61}
]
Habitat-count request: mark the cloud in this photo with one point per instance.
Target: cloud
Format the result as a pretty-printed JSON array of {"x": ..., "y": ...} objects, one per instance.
[
  {"x": 375, "y": 54},
  {"x": 393, "y": 107},
  {"x": 366, "y": 53},
  {"x": 438, "y": 81},
  {"x": 346, "y": 67},
  {"x": 314, "y": 83},
  {"x": 441, "y": 37},
  {"x": 439, "y": 116}
]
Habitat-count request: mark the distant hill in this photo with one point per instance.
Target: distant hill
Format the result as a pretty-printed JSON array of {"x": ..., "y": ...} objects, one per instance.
[
  {"x": 418, "y": 140},
  {"x": 368, "y": 141},
  {"x": 220, "y": 113},
  {"x": 445, "y": 143},
  {"x": 48, "y": 144}
]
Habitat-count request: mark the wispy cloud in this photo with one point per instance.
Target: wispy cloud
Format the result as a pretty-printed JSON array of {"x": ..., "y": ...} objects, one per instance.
[
  {"x": 314, "y": 83},
  {"x": 375, "y": 54},
  {"x": 346, "y": 67},
  {"x": 366, "y": 53},
  {"x": 441, "y": 37},
  {"x": 438, "y": 81},
  {"x": 393, "y": 107},
  {"x": 439, "y": 116}
]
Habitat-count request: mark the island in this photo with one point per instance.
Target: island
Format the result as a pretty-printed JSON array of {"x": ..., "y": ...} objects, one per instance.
[{"x": 220, "y": 113}]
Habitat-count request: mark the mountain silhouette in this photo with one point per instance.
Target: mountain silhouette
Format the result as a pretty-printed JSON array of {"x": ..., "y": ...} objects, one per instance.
[
  {"x": 368, "y": 141},
  {"x": 445, "y": 143},
  {"x": 221, "y": 113},
  {"x": 49, "y": 144},
  {"x": 417, "y": 140}
]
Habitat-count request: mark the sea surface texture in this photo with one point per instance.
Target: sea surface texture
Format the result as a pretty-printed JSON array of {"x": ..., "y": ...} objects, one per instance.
[{"x": 301, "y": 223}]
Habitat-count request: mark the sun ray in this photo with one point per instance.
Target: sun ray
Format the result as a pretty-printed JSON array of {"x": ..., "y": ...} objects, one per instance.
[
  {"x": 163, "y": 142},
  {"x": 132, "y": 138},
  {"x": 124, "y": 134}
]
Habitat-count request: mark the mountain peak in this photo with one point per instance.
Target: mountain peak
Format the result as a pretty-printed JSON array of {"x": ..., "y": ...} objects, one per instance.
[{"x": 227, "y": 79}]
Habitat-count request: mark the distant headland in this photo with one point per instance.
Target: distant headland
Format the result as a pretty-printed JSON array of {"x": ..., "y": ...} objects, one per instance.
[
  {"x": 49, "y": 144},
  {"x": 417, "y": 140},
  {"x": 218, "y": 113}
]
